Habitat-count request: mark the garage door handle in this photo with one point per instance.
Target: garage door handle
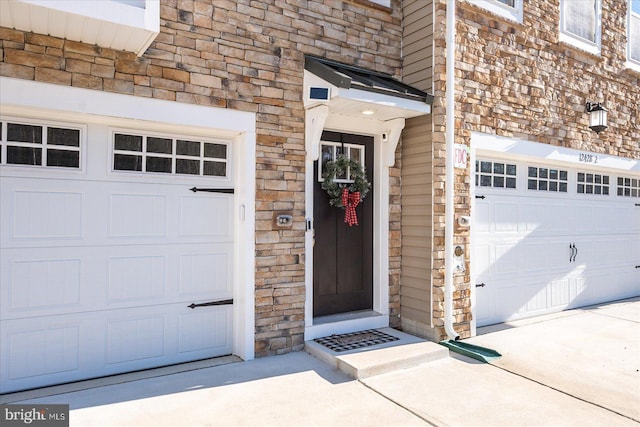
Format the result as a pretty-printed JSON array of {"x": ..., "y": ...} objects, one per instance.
[
  {"x": 206, "y": 304},
  {"x": 575, "y": 254},
  {"x": 213, "y": 190}
]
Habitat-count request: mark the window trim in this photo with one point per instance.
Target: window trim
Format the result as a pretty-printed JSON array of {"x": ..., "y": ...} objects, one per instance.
[
  {"x": 144, "y": 134},
  {"x": 335, "y": 145},
  {"x": 44, "y": 124},
  {"x": 514, "y": 13},
  {"x": 631, "y": 63},
  {"x": 577, "y": 41}
]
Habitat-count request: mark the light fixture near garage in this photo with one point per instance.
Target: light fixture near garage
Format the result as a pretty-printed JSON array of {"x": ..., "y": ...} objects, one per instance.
[{"x": 597, "y": 116}]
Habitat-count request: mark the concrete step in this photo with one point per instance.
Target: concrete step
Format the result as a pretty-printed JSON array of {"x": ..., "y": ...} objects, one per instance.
[{"x": 378, "y": 359}]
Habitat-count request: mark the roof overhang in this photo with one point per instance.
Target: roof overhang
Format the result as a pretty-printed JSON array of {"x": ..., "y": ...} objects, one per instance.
[
  {"x": 357, "y": 92},
  {"x": 129, "y": 25}
]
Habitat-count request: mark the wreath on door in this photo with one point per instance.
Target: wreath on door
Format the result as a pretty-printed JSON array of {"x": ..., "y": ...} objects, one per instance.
[{"x": 345, "y": 195}]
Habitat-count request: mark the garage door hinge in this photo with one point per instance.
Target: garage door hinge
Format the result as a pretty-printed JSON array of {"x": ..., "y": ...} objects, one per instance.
[
  {"x": 213, "y": 190},
  {"x": 480, "y": 285},
  {"x": 210, "y": 303},
  {"x": 480, "y": 197}
]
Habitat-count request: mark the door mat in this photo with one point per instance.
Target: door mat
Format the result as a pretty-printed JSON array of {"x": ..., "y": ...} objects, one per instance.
[{"x": 355, "y": 340}]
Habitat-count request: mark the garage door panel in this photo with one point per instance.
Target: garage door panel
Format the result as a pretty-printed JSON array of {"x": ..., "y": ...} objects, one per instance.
[
  {"x": 51, "y": 349},
  {"x": 135, "y": 338},
  {"x": 206, "y": 216},
  {"x": 560, "y": 292},
  {"x": 137, "y": 215},
  {"x": 206, "y": 275},
  {"x": 136, "y": 278},
  {"x": 194, "y": 330}
]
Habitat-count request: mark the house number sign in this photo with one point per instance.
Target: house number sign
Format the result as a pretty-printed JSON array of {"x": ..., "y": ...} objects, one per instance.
[{"x": 587, "y": 158}]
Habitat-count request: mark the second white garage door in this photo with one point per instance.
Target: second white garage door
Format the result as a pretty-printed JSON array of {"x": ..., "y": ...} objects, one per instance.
[
  {"x": 547, "y": 238},
  {"x": 104, "y": 248}
]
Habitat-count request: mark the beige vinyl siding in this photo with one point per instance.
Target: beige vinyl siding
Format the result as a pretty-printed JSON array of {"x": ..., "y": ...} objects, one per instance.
[
  {"x": 415, "y": 279},
  {"x": 417, "y": 174},
  {"x": 417, "y": 44}
]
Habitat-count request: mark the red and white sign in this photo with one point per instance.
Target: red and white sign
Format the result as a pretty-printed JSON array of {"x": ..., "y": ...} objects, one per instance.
[{"x": 460, "y": 155}]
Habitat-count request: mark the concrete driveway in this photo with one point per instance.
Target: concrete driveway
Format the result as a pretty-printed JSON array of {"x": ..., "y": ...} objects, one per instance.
[
  {"x": 592, "y": 354},
  {"x": 575, "y": 368},
  {"x": 579, "y": 368}
]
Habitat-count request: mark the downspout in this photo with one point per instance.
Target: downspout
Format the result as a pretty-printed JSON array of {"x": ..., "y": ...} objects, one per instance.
[{"x": 449, "y": 211}]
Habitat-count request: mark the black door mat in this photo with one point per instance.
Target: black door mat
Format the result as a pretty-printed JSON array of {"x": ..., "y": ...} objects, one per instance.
[{"x": 354, "y": 340}]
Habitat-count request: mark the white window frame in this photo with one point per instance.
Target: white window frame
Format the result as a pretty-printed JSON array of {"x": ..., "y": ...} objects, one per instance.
[
  {"x": 346, "y": 146},
  {"x": 174, "y": 156},
  {"x": 45, "y": 146},
  {"x": 385, "y": 3},
  {"x": 577, "y": 41},
  {"x": 631, "y": 63},
  {"x": 512, "y": 13}
]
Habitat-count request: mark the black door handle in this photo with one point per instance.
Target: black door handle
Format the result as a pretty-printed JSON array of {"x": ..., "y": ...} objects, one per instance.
[
  {"x": 575, "y": 254},
  {"x": 213, "y": 190},
  {"x": 206, "y": 304},
  {"x": 571, "y": 254}
]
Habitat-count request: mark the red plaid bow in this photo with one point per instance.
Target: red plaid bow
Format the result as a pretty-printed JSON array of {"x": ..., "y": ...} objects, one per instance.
[{"x": 350, "y": 201}]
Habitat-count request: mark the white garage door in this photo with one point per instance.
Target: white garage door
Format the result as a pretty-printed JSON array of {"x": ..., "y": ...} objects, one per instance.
[
  {"x": 104, "y": 248},
  {"x": 548, "y": 238}
]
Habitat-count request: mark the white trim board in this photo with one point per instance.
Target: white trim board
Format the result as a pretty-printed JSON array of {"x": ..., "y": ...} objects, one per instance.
[{"x": 516, "y": 148}]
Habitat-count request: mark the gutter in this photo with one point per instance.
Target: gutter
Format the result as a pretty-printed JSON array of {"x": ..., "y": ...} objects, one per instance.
[{"x": 449, "y": 168}]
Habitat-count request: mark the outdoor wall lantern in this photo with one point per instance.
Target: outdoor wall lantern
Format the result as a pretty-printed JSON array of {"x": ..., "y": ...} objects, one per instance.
[{"x": 597, "y": 116}]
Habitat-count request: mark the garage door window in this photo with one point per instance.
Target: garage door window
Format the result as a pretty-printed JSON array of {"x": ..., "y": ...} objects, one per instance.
[
  {"x": 593, "y": 183},
  {"x": 32, "y": 144},
  {"x": 546, "y": 179},
  {"x": 169, "y": 155},
  {"x": 628, "y": 187},
  {"x": 495, "y": 174}
]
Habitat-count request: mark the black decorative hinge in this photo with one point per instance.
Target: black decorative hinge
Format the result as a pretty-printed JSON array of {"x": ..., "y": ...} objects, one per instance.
[
  {"x": 210, "y": 303},
  {"x": 480, "y": 285},
  {"x": 213, "y": 190},
  {"x": 480, "y": 197}
]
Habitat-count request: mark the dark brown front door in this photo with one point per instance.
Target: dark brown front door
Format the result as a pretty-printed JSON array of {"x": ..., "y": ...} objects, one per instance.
[{"x": 342, "y": 255}]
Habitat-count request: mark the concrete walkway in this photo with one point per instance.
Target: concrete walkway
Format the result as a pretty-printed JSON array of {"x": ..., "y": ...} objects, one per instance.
[{"x": 579, "y": 368}]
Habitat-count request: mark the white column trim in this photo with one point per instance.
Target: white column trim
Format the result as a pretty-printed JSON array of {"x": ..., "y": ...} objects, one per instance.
[
  {"x": 392, "y": 135},
  {"x": 315, "y": 119}
]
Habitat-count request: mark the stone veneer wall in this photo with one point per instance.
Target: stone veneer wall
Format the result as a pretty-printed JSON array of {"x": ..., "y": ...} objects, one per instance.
[
  {"x": 518, "y": 80},
  {"x": 246, "y": 55}
]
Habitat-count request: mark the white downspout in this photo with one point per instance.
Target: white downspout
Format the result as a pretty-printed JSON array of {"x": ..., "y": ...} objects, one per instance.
[{"x": 449, "y": 168}]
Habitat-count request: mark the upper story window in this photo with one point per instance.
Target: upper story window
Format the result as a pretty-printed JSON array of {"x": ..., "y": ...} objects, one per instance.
[
  {"x": 633, "y": 35},
  {"x": 385, "y": 3},
  {"x": 580, "y": 24},
  {"x": 510, "y": 9}
]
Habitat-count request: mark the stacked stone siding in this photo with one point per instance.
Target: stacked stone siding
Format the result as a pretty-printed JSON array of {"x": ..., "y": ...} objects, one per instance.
[
  {"x": 518, "y": 80},
  {"x": 246, "y": 55}
]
